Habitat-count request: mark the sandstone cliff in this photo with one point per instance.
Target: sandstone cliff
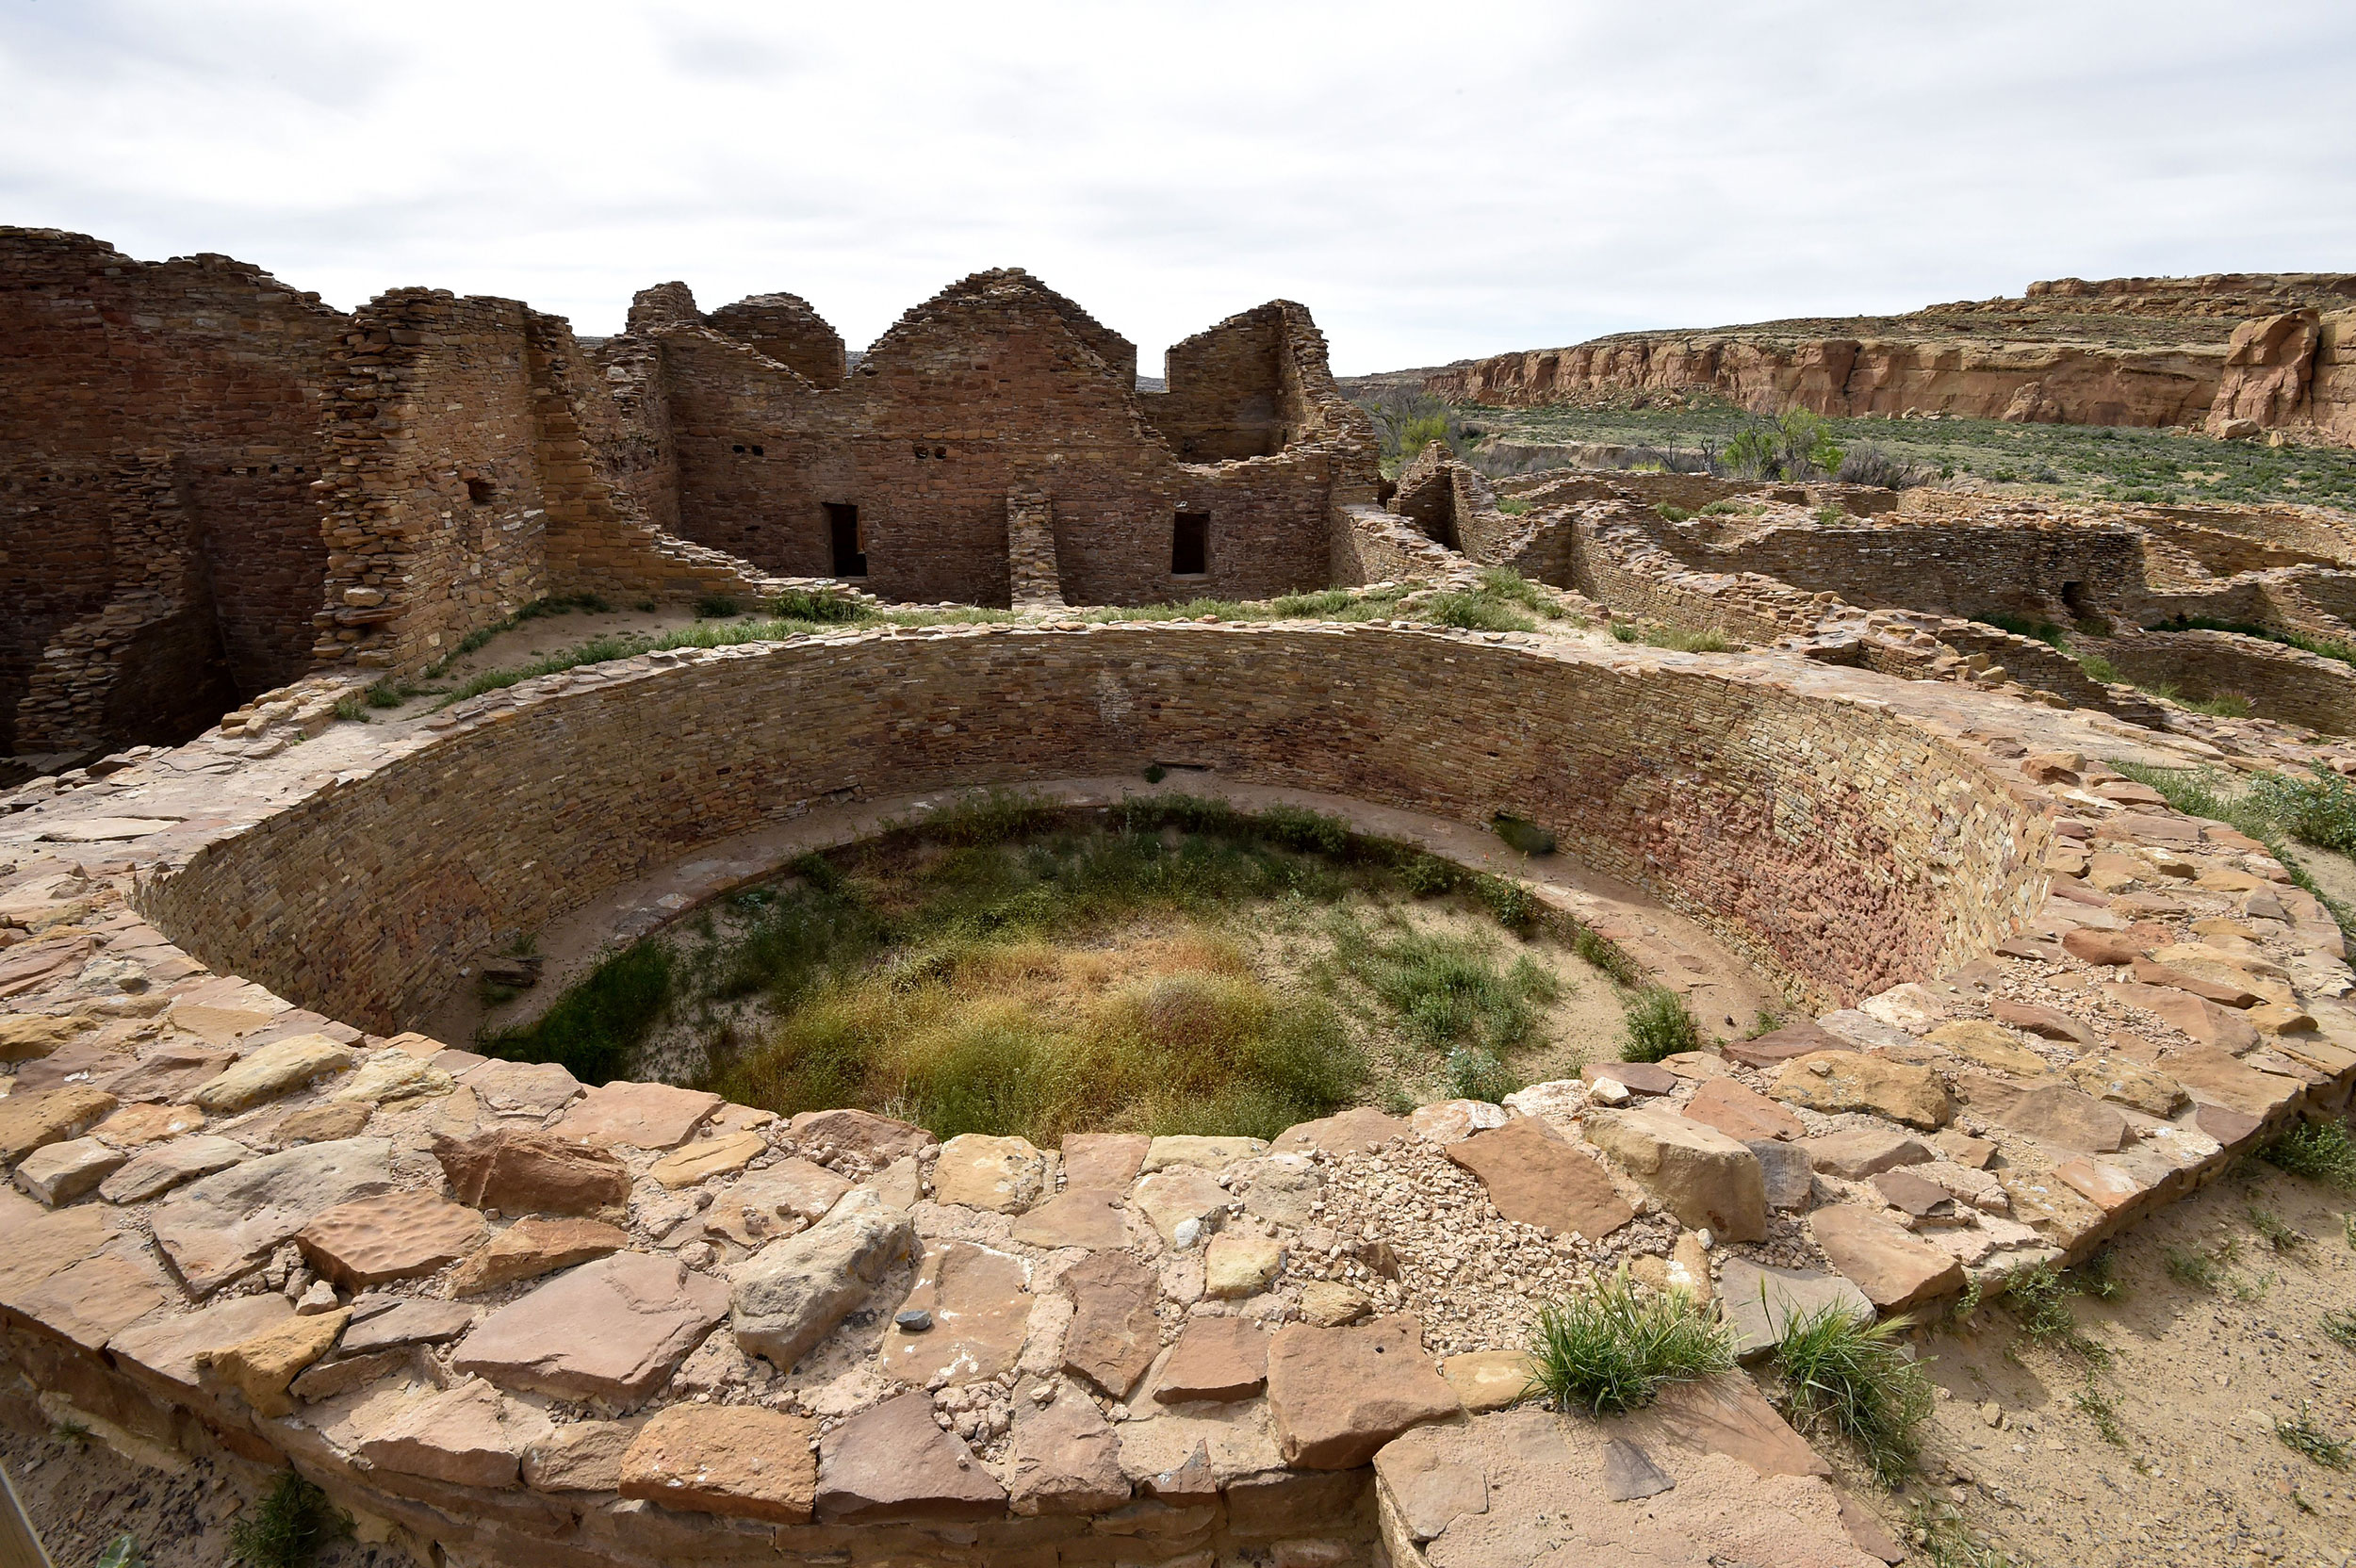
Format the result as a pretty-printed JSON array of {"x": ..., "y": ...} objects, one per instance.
[{"x": 2116, "y": 351}]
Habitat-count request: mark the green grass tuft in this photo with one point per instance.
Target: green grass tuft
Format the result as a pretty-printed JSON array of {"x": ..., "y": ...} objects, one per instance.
[
  {"x": 2341, "y": 1327},
  {"x": 288, "y": 1526},
  {"x": 2318, "y": 1150},
  {"x": 1475, "y": 613},
  {"x": 2302, "y": 1435},
  {"x": 1659, "y": 1024},
  {"x": 1857, "y": 1379},
  {"x": 1612, "y": 1348},
  {"x": 2277, "y": 1235}
]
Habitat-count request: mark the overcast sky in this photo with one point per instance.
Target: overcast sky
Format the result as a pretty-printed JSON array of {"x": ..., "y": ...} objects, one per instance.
[{"x": 1433, "y": 181}]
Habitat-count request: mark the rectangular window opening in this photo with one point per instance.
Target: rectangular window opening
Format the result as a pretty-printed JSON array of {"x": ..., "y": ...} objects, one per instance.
[
  {"x": 849, "y": 541},
  {"x": 1190, "y": 545}
]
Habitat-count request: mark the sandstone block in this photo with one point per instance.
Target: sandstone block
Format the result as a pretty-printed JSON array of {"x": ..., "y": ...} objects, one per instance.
[
  {"x": 866, "y": 1140},
  {"x": 465, "y": 1435},
  {"x": 1990, "y": 1046},
  {"x": 1328, "y": 1304},
  {"x": 1002, "y": 1175},
  {"x": 1113, "y": 1335},
  {"x": 979, "y": 1303},
  {"x": 1338, "y": 1395},
  {"x": 260, "y": 1367},
  {"x": 579, "y": 1456},
  {"x": 1535, "y": 1176},
  {"x": 1790, "y": 1179},
  {"x": 612, "y": 1329},
  {"x": 1239, "y": 1264},
  {"x": 706, "y": 1159},
  {"x": 1741, "y": 1112},
  {"x": 530, "y": 1172},
  {"x": 1202, "y": 1153},
  {"x": 168, "y": 1348},
  {"x": 271, "y": 1070},
  {"x": 790, "y": 1293},
  {"x": 2127, "y": 1082},
  {"x": 1892, "y": 1269},
  {"x": 219, "y": 1225},
  {"x": 2091, "y": 946},
  {"x": 392, "y": 1078},
  {"x": 1490, "y": 1380},
  {"x": 532, "y": 1247},
  {"x": 643, "y": 1116},
  {"x": 778, "y": 1200},
  {"x": 737, "y": 1461},
  {"x": 29, "y": 1120},
  {"x": 1861, "y": 1151},
  {"x": 1357, "y": 1131},
  {"x": 1834, "y": 1080},
  {"x": 1788, "y": 1043},
  {"x": 892, "y": 1464},
  {"x": 1702, "y": 1176},
  {"x": 1216, "y": 1358},
  {"x": 396, "y": 1322},
  {"x": 60, "y": 1173},
  {"x": 1171, "y": 1198},
  {"x": 1108, "y": 1160},
  {"x": 1066, "y": 1459},
  {"x": 371, "y": 1241},
  {"x": 1454, "y": 1120},
  {"x": 1077, "y": 1217},
  {"x": 137, "y": 1126}
]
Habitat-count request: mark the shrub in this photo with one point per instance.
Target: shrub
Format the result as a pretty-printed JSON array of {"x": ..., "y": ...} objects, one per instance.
[
  {"x": 288, "y": 1526},
  {"x": 1510, "y": 904},
  {"x": 1674, "y": 513},
  {"x": 1156, "y": 773},
  {"x": 1605, "y": 954},
  {"x": 2039, "y": 1297},
  {"x": 1476, "y": 1074},
  {"x": 2197, "y": 1270},
  {"x": 2319, "y": 809},
  {"x": 1512, "y": 506},
  {"x": 798, "y": 604},
  {"x": 2282, "y": 1237},
  {"x": 1798, "y": 446},
  {"x": 1428, "y": 875},
  {"x": 717, "y": 607},
  {"x": 351, "y": 708},
  {"x": 1521, "y": 834},
  {"x": 1857, "y": 1380},
  {"x": 1659, "y": 1024},
  {"x": 593, "y": 1029},
  {"x": 2100, "y": 669},
  {"x": 1610, "y": 1348},
  {"x": 122, "y": 1552},
  {"x": 1475, "y": 613},
  {"x": 1622, "y": 632},
  {"x": 2302, "y": 1435},
  {"x": 2341, "y": 1327},
  {"x": 1681, "y": 641},
  {"x": 1445, "y": 992},
  {"x": 1311, "y": 832},
  {"x": 2319, "y": 1151},
  {"x": 1869, "y": 463}
]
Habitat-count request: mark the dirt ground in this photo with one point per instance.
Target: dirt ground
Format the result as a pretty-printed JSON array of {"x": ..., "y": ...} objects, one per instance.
[
  {"x": 2192, "y": 1473},
  {"x": 83, "y": 1496}
]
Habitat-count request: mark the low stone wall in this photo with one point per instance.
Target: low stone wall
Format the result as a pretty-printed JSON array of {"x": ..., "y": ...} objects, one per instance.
[
  {"x": 1837, "y": 848},
  {"x": 2285, "y": 683}
]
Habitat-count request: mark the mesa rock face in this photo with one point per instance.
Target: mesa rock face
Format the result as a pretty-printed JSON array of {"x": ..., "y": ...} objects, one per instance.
[{"x": 2186, "y": 351}]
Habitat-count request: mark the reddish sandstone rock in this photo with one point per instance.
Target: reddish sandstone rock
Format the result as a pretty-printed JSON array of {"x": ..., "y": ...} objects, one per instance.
[
  {"x": 337, "y": 1118},
  {"x": 1357, "y": 1131},
  {"x": 533, "y": 1246},
  {"x": 157, "y": 1169},
  {"x": 979, "y": 1302},
  {"x": 2214, "y": 1077},
  {"x": 465, "y": 1435},
  {"x": 1741, "y": 1112},
  {"x": 893, "y": 1465},
  {"x": 165, "y": 1350},
  {"x": 271, "y": 1070},
  {"x": 1832, "y": 1081},
  {"x": 28, "y": 1120},
  {"x": 2046, "y": 1022},
  {"x": 531, "y": 1172},
  {"x": 1535, "y": 1176},
  {"x": 1066, "y": 1459},
  {"x": 580, "y": 1456},
  {"x": 173, "y": 1073},
  {"x": 690, "y": 1163},
  {"x": 262, "y": 1366},
  {"x": 1108, "y": 1160},
  {"x": 1216, "y": 1358},
  {"x": 733, "y": 1460},
  {"x": 2226, "y": 1028},
  {"x": 789, "y": 1295},
  {"x": 60, "y": 1173},
  {"x": 1701, "y": 1175},
  {"x": 1078, "y": 1217},
  {"x": 1779, "y": 1046},
  {"x": 94, "y": 1300},
  {"x": 863, "y": 1138},
  {"x": 776, "y": 1201},
  {"x": 1113, "y": 1334},
  {"x": 371, "y": 1241},
  {"x": 1636, "y": 1077},
  {"x": 218, "y": 1227},
  {"x": 645, "y": 1115},
  {"x": 2066, "y": 1117},
  {"x": 1002, "y": 1175},
  {"x": 1889, "y": 1265},
  {"x": 612, "y": 1329},
  {"x": 1338, "y": 1395},
  {"x": 134, "y": 1126}
]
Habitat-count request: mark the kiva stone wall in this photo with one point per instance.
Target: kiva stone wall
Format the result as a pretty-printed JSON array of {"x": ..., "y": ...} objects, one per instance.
[
  {"x": 2281, "y": 682},
  {"x": 1831, "y": 844}
]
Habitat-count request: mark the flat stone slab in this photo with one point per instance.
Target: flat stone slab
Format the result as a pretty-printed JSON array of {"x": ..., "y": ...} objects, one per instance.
[
  {"x": 465, "y": 1435},
  {"x": 1636, "y": 1077},
  {"x": 1113, "y": 1335},
  {"x": 94, "y": 1300},
  {"x": 1066, "y": 1459},
  {"x": 1535, "y": 1176},
  {"x": 1893, "y": 1269},
  {"x": 1740, "y": 1113},
  {"x": 60, "y": 1173},
  {"x": 1339, "y": 1395},
  {"x": 532, "y": 1247},
  {"x": 580, "y": 1456},
  {"x": 273, "y": 1069},
  {"x": 1109, "y": 1160},
  {"x": 1358, "y": 1131},
  {"x": 700, "y": 1161},
  {"x": 1172, "y": 1200},
  {"x": 1454, "y": 1120},
  {"x": 1705, "y": 1178},
  {"x": 861, "y": 1138},
  {"x": 166, "y": 1349},
  {"x": 1759, "y": 1302},
  {"x": 1784, "y": 1168},
  {"x": 774, "y": 1202},
  {"x": 612, "y": 1329},
  {"x": 372, "y": 1241},
  {"x": 737, "y": 1461},
  {"x": 1216, "y": 1358},
  {"x": 31, "y": 1120},
  {"x": 1490, "y": 1380},
  {"x": 979, "y": 1301},
  {"x": 523, "y": 1088},
  {"x": 1856, "y": 1152},
  {"x": 1202, "y": 1153},
  {"x": 219, "y": 1225},
  {"x": 1078, "y": 1217},
  {"x": 643, "y": 1116},
  {"x": 892, "y": 1464},
  {"x": 529, "y": 1172},
  {"x": 791, "y": 1293},
  {"x": 1782, "y": 1045},
  {"x": 1846, "y": 1080},
  {"x": 393, "y": 1322},
  {"x": 1002, "y": 1175},
  {"x": 173, "y": 1072}
]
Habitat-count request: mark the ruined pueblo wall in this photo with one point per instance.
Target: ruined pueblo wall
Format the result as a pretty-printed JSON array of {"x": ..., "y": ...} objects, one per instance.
[
  {"x": 1831, "y": 844},
  {"x": 998, "y": 389},
  {"x": 2284, "y": 683},
  {"x": 110, "y": 364}
]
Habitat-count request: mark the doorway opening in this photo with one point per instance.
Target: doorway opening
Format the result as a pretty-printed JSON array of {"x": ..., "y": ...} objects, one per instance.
[
  {"x": 849, "y": 543},
  {"x": 1190, "y": 545}
]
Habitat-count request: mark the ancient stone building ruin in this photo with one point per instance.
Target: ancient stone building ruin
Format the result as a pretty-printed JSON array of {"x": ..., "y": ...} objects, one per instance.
[{"x": 213, "y": 484}]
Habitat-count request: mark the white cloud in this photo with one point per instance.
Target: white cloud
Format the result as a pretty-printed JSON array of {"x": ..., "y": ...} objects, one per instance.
[{"x": 1432, "y": 183}]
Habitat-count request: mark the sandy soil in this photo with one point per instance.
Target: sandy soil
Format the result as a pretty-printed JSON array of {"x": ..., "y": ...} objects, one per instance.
[
  {"x": 2195, "y": 1381},
  {"x": 82, "y": 1496}
]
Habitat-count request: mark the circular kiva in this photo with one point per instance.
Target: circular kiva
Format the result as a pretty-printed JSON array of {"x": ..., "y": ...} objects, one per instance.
[{"x": 1841, "y": 849}]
